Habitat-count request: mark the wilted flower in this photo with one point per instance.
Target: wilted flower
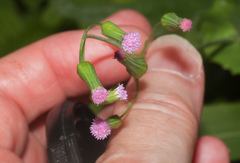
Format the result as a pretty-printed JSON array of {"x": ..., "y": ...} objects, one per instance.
[
  {"x": 121, "y": 93},
  {"x": 118, "y": 93}
]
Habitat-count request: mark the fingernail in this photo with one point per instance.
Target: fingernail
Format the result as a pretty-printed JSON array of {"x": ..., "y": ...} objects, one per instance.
[{"x": 175, "y": 55}]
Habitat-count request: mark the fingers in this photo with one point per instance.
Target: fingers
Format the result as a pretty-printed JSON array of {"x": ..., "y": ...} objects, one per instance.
[
  {"x": 9, "y": 156},
  {"x": 13, "y": 126},
  {"x": 176, "y": 56},
  {"x": 33, "y": 151},
  {"x": 163, "y": 122},
  {"x": 211, "y": 150},
  {"x": 130, "y": 18},
  {"x": 36, "y": 78},
  {"x": 43, "y": 74}
]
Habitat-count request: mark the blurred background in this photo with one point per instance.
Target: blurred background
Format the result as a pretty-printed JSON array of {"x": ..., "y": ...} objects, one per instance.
[{"x": 215, "y": 33}]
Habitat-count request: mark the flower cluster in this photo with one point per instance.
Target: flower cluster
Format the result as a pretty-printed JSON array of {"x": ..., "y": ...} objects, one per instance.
[
  {"x": 185, "y": 25},
  {"x": 99, "y": 95},
  {"x": 100, "y": 129},
  {"x": 136, "y": 66},
  {"x": 131, "y": 42},
  {"x": 121, "y": 93}
]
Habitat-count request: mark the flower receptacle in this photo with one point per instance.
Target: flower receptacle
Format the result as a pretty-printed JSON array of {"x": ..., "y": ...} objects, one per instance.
[
  {"x": 171, "y": 21},
  {"x": 87, "y": 73},
  {"x": 136, "y": 66},
  {"x": 114, "y": 121},
  {"x": 111, "y": 30}
]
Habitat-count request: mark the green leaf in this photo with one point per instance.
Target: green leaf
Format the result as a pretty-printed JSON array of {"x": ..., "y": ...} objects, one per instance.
[
  {"x": 235, "y": 16},
  {"x": 86, "y": 13},
  {"x": 50, "y": 17},
  {"x": 216, "y": 24},
  {"x": 59, "y": 15},
  {"x": 221, "y": 40},
  {"x": 83, "y": 14},
  {"x": 33, "y": 5},
  {"x": 223, "y": 121},
  {"x": 229, "y": 58},
  {"x": 11, "y": 25}
]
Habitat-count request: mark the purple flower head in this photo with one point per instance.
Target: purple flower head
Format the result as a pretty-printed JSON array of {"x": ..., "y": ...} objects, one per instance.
[
  {"x": 185, "y": 25},
  {"x": 99, "y": 95},
  {"x": 100, "y": 129},
  {"x": 121, "y": 93},
  {"x": 131, "y": 42}
]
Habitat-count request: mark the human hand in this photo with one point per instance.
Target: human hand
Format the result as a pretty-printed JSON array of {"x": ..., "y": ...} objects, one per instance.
[{"x": 162, "y": 125}]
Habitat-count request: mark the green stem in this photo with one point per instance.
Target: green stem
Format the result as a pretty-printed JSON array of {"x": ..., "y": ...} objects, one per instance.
[
  {"x": 150, "y": 37},
  {"x": 134, "y": 98},
  {"x": 215, "y": 52},
  {"x": 110, "y": 41},
  {"x": 220, "y": 41},
  {"x": 82, "y": 45}
]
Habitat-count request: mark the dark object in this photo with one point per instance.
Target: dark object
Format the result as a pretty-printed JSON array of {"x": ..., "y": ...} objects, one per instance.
[{"x": 68, "y": 136}]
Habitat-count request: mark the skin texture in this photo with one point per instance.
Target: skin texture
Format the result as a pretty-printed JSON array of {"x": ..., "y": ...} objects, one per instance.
[{"x": 162, "y": 125}]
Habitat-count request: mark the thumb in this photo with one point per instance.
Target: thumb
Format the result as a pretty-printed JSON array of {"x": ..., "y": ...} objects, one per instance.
[{"x": 163, "y": 122}]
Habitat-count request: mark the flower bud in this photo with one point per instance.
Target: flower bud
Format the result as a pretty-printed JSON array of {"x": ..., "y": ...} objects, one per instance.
[
  {"x": 87, "y": 72},
  {"x": 114, "y": 121},
  {"x": 120, "y": 55},
  {"x": 136, "y": 66},
  {"x": 171, "y": 21},
  {"x": 109, "y": 29}
]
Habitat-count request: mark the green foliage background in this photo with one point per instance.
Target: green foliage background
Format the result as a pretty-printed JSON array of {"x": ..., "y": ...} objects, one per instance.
[{"x": 216, "y": 28}]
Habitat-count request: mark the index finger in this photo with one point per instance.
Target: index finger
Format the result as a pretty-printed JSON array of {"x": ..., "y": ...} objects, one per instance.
[{"x": 43, "y": 74}]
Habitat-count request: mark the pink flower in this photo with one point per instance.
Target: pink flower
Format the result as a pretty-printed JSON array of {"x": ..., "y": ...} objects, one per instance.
[
  {"x": 99, "y": 95},
  {"x": 131, "y": 42},
  {"x": 100, "y": 129},
  {"x": 185, "y": 25},
  {"x": 121, "y": 93}
]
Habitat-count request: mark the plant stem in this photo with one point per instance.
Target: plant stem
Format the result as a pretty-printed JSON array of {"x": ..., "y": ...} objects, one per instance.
[
  {"x": 150, "y": 37},
  {"x": 215, "y": 52},
  {"x": 82, "y": 45},
  {"x": 110, "y": 41},
  {"x": 134, "y": 98},
  {"x": 220, "y": 41}
]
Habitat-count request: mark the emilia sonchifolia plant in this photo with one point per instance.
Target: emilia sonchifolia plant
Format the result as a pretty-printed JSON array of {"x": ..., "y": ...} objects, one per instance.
[{"x": 136, "y": 66}]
